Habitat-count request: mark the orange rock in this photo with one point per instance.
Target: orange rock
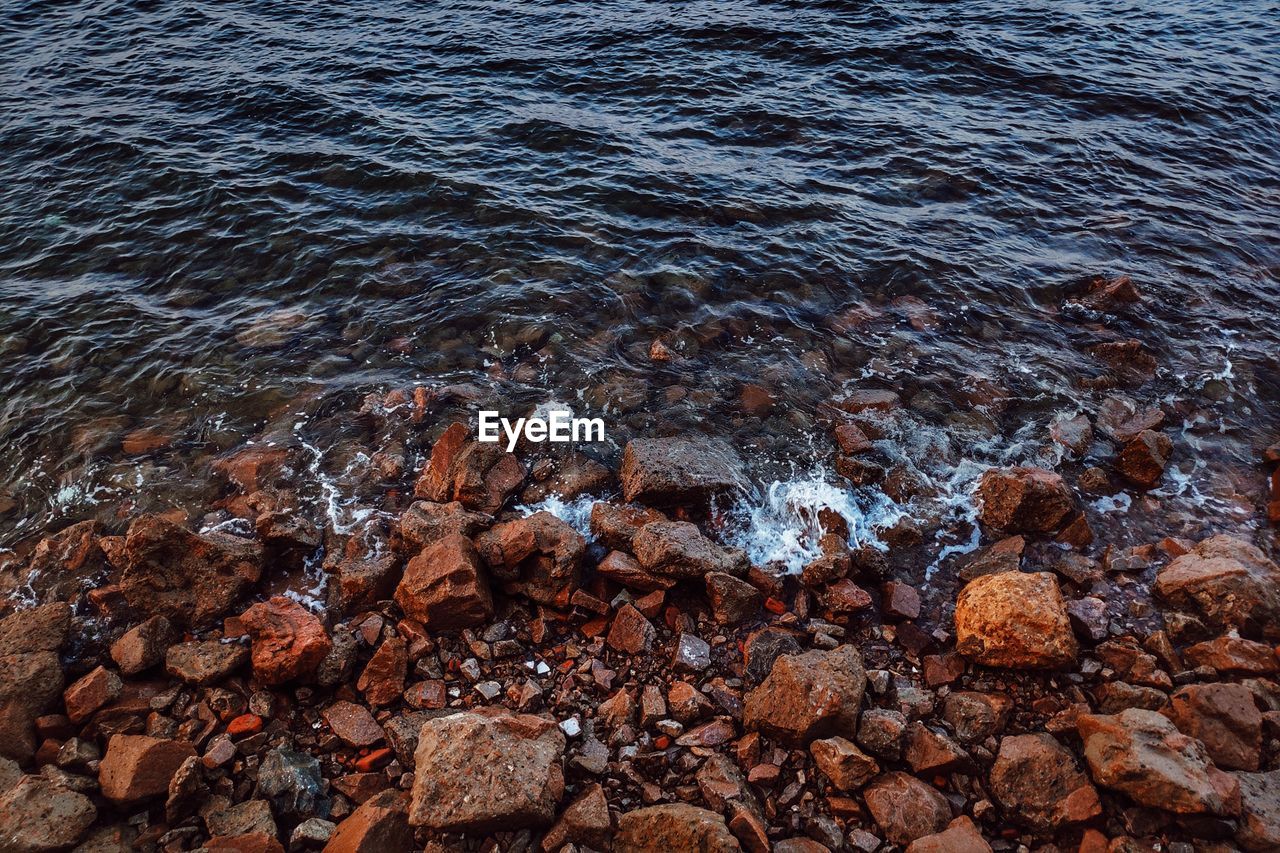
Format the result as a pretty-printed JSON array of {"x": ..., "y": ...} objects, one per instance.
[
  {"x": 1015, "y": 620},
  {"x": 446, "y": 587},
  {"x": 137, "y": 767},
  {"x": 244, "y": 725},
  {"x": 288, "y": 640}
]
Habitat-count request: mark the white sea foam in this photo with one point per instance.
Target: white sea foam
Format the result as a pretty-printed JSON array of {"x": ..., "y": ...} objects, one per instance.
[{"x": 576, "y": 513}]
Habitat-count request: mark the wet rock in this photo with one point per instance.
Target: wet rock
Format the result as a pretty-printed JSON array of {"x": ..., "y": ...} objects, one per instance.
[
  {"x": 1229, "y": 582},
  {"x": 1141, "y": 754},
  {"x": 537, "y": 556},
  {"x": 31, "y": 676},
  {"x": 825, "y": 569},
  {"x": 137, "y": 768},
  {"x": 481, "y": 476},
  {"x": 205, "y": 662},
  {"x": 614, "y": 526},
  {"x": 631, "y": 632},
  {"x": 899, "y": 601},
  {"x": 289, "y": 642},
  {"x": 38, "y": 815},
  {"x": 960, "y": 836},
  {"x": 868, "y": 400},
  {"x": 678, "y": 549},
  {"x": 586, "y": 822},
  {"x": 445, "y": 587},
  {"x": 379, "y": 825},
  {"x": 570, "y": 477},
  {"x": 1003, "y": 556},
  {"x": 1110, "y": 294},
  {"x": 1122, "y": 419},
  {"x": 189, "y": 579},
  {"x": 1143, "y": 459},
  {"x": 144, "y": 645},
  {"x": 624, "y": 569},
  {"x": 840, "y": 760},
  {"x": 1259, "y": 828},
  {"x": 1037, "y": 781},
  {"x": 852, "y": 440},
  {"x": 1015, "y": 620},
  {"x": 1234, "y": 655},
  {"x": 679, "y": 471},
  {"x": 692, "y": 654},
  {"x": 1074, "y": 432},
  {"x": 1225, "y": 718},
  {"x": 807, "y": 696},
  {"x": 732, "y": 600},
  {"x": 382, "y": 681},
  {"x": 365, "y": 578},
  {"x": 90, "y": 693},
  {"x": 425, "y": 523},
  {"x": 488, "y": 770},
  {"x": 676, "y": 826},
  {"x": 1025, "y": 500},
  {"x": 906, "y": 808},
  {"x": 291, "y": 780},
  {"x": 61, "y": 564},
  {"x": 1089, "y": 618},
  {"x": 929, "y": 752},
  {"x": 353, "y": 723}
]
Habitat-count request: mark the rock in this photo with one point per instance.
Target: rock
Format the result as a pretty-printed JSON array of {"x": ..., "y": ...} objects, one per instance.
[
  {"x": 906, "y": 808},
  {"x": 1110, "y": 294},
  {"x": 624, "y": 569},
  {"x": 840, "y": 760},
  {"x": 252, "y": 467},
  {"x": 365, "y": 578},
  {"x": 313, "y": 833},
  {"x": 38, "y": 815},
  {"x": 679, "y": 471},
  {"x": 137, "y": 767},
  {"x": 692, "y": 654},
  {"x": 678, "y": 549},
  {"x": 763, "y": 648},
  {"x": 585, "y": 822},
  {"x": 1089, "y": 618},
  {"x": 1074, "y": 432},
  {"x": 1003, "y": 556},
  {"x": 676, "y": 826},
  {"x": 1016, "y": 620},
  {"x": 899, "y": 601},
  {"x": 868, "y": 400},
  {"x": 845, "y": 596},
  {"x": 732, "y": 600},
  {"x": 187, "y": 789},
  {"x": 379, "y": 825},
  {"x": 1143, "y": 459},
  {"x": 425, "y": 523},
  {"x": 687, "y": 704},
  {"x": 1122, "y": 419},
  {"x": 571, "y": 476},
  {"x": 1037, "y": 781},
  {"x": 205, "y": 662},
  {"x": 382, "y": 681},
  {"x": 353, "y": 723},
  {"x": 251, "y": 817},
  {"x": 933, "y": 753},
  {"x": 1234, "y": 655},
  {"x": 481, "y": 476},
  {"x": 960, "y": 836},
  {"x": 1229, "y": 582},
  {"x": 143, "y": 646},
  {"x": 974, "y": 717},
  {"x": 1259, "y": 811},
  {"x": 614, "y": 526},
  {"x": 189, "y": 579},
  {"x": 1115, "y": 696},
  {"x": 39, "y": 629},
  {"x": 90, "y": 693},
  {"x": 1225, "y": 718},
  {"x": 253, "y": 842},
  {"x": 807, "y": 696},
  {"x": 487, "y": 770},
  {"x": 1141, "y": 754},
  {"x": 631, "y": 632},
  {"x": 31, "y": 676},
  {"x": 1025, "y": 500},
  {"x": 445, "y": 587},
  {"x": 289, "y": 642},
  {"x": 291, "y": 780},
  {"x": 538, "y": 556}
]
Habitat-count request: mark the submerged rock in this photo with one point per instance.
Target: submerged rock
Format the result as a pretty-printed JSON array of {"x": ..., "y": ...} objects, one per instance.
[
  {"x": 1143, "y": 459},
  {"x": 1016, "y": 620},
  {"x": 679, "y": 470},
  {"x": 1025, "y": 500}
]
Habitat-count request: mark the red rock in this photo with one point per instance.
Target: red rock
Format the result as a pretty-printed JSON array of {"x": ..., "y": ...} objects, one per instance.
[
  {"x": 960, "y": 836},
  {"x": 1143, "y": 459},
  {"x": 425, "y": 523},
  {"x": 143, "y": 646},
  {"x": 249, "y": 842},
  {"x": 942, "y": 669},
  {"x": 1024, "y": 500},
  {"x": 289, "y": 642},
  {"x": 900, "y": 601},
  {"x": 252, "y": 467},
  {"x": 360, "y": 787},
  {"x": 585, "y": 822},
  {"x": 840, "y": 760},
  {"x": 631, "y": 632},
  {"x": 1225, "y": 718},
  {"x": 382, "y": 681},
  {"x": 1121, "y": 419},
  {"x": 1037, "y": 781},
  {"x": 446, "y": 587},
  {"x": 816, "y": 694},
  {"x": 204, "y": 662},
  {"x": 680, "y": 470},
  {"x": 826, "y": 569},
  {"x": 187, "y": 578},
  {"x": 932, "y": 753},
  {"x": 364, "y": 579},
  {"x": 1109, "y": 294},
  {"x": 353, "y": 723},
  {"x": 379, "y": 825},
  {"x": 244, "y": 726},
  {"x": 623, "y": 568},
  {"x": 852, "y": 440},
  {"x": 137, "y": 768},
  {"x": 617, "y": 710},
  {"x": 676, "y": 826},
  {"x": 1141, "y": 754},
  {"x": 614, "y": 526},
  {"x": 90, "y": 693},
  {"x": 37, "y": 814},
  {"x": 1259, "y": 829},
  {"x": 31, "y": 676},
  {"x": 487, "y": 770},
  {"x": 678, "y": 549},
  {"x": 1016, "y": 620},
  {"x": 715, "y": 733},
  {"x": 845, "y": 596},
  {"x": 1234, "y": 655},
  {"x": 537, "y": 556},
  {"x": 868, "y": 400},
  {"x": 906, "y": 808},
  {"x": 60, "y": 564},
  {"x": 435, "y": 483},
  {"x": 732, "y": 600},
  {"x": 481, "y": 476},
  {"x": 757, "y": 401},
  {"x": 1229, "y": 582}
]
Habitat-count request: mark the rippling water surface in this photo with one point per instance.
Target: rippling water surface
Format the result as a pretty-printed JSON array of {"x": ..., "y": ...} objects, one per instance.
[{"x": 233, "y": 221}]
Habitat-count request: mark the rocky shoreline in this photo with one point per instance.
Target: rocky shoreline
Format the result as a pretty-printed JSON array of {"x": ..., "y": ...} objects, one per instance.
[{"x": 473, "y": 677}]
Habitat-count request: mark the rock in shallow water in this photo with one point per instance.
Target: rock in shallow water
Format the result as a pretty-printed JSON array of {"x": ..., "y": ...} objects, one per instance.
[
  {"x": 679, "y": 470},
  {"x": 1228, "y": 581},
  {"x": 1024, "y": 500}
]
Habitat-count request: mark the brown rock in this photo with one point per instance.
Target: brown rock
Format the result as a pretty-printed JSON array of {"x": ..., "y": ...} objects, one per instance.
[
  {"x": 425, "y": 523},
  {"x": 445, "y": 587},
  {"x": 868, "y": 400},
  {"x": 1073, "y": 432},
  {"x": 137, "y": 768},
  {"x": 382, "y": 681},
  {"x": 931, "y": 753},
  {"x": 676, "y": 826},
  {"x": 899, "y": 600},
  {"x": 678, "y": 549},
  {"x": 1143, "y": 459},
  {"x": 631, "y": 632},
  {"x": 1141, "y": 754},
  {"x": 585, "y": 822},
  {"x": 1110, "y": 294},
  {"x": 1234, "y": 655},
  {"x": 1229, "y": 582},
  {"x": 481, "y": 476},
  {"x": 1037, "y": 781},
  {"x": 353, "y": 723},
  {"x": 840, "y": 760},
  {"x": 960, "y": 836},
  {"x": 816, "y": 694},
  {"x": 906, "y": 808},
  {"x": 253, "y": 842},
  {"x": 1016, "y": 620},
  {"x": 1025, "y": 500},
  {"x": 61, "y": 564},
  {"x": 38, "y": 815},
  {"x": 204, "y": 662},
  {"x": 852, "y": 440},
  {"x": 614, "y": 526},
  {"x": 845, "y": 596},
  {"x": 90, "y": 693},
  {"x": 31, "y": 676},
  {"x": 680, "y": 470},
  {"x": 1121, "y": 419},
  {"x": 732, "y": 600},
  {"x": 624, "y": 569},
  {"x": 251, "y": 467},
  {"x": 1003, "y": 556},
  {"x": 974, "y": 717},
  {"x": 488, "y": 770},
  {"x": 570, "y": 477},
  {"x": 187, "y": 578},
  {"x": 143, "y": 646},
  {"x": 538, "y": 556},
  {"x": 1259, "y": 811},
  {"x": 1225, "y": 718},
  {"x": 289, "y": 642},
  {"x": 379, "y": 825},
  {"x": 365, "y": 578},
  {"x": 435, "y": 482}
]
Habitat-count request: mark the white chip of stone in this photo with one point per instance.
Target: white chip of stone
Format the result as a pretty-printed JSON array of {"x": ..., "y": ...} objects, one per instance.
[{"x": 571, "y": 727}]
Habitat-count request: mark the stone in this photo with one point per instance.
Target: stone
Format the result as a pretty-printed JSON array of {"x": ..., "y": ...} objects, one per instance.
[
  {"x": 487, "y": 770},
  {"x": 31, "y": 677},
  {"x": 143, "y": 646},
  {"x": 189, "y": 579},
  {"x": 1089, "y": 618},
  {"x": 692, "y": 654},
  {"x": 862, "y": 400},
  {"x": 615, "y": 526},
  {"x": 840, "y": 760},
  {"x": 570, "y": 477},
  {"x": 1015, "y": 620},
  {"x": 732, "y": 600},
  {"x": 1234, "y": 655},
  {"x": 906, "y": 808},
  {"x": 379, "y": 825},
  {"x": 930, "y": 752},
  {"x": 1121, "y": 419},
  {"x": 1259, "y": 828},
  {"x": 1074, "y": 432},
  {"x": 678, "y": 549},
  {"x": 38, "y": 629},
  {"x": 1227, "y": 581},
  {"x": 960, "y": 836},
  {"x": 623, "y": 568},
  {"x": 382, "y": 681},
  {"x": 446, "y": 587},
  {"x": 314, "y": 833},
  {"x": 1141, "y": 754},
  {"x": 1002, "y": 556},
  {"x": 807, "y": 696},
  {"x": 137, "y": 768},
  {"x": 90, "y": 693},
  {"x": 899, "y": 601},
  {"x": 291, "y": 781},
  {"x": 880, "y": 732},
  {"x": 289, "y": 642},
  {"x": 585, "y": 821},
  {"x": 252, "y": 842},
  {"x": 353, "y": 723},
  {"x": 1225, "y": 718},
  {"x": 251, "y": 817},
  {"x": 364, "y": 579},
  {"x": 844, "y": 596},
  {"x": 425, "y": 523},
  {"x": 671, "y": 827},
  {"x": 1037, "y": 781},
  {"x": 631, "y": 632},
  {"x": 687, "y": 704},
  {"x": 1115, "y": 696},
  {"x": 204, "y": 662},
  {"x": 38, "y": 815},
  {"x": 538, "y": 556},
  {"x": 479, "y": 475},
  {"x": 682, "y": 470},
  {"x": 764, "y": 647},
  {"x": 1143, "y": 459},
  {"x": 1025, "y": 500}
]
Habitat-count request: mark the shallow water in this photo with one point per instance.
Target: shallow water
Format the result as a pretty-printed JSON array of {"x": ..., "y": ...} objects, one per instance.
[{"x": 233, "y": 221}]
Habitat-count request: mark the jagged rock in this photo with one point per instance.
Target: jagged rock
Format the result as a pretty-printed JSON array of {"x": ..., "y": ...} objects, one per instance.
[
  {"x": 425, "y": 523},
  {"x": 1074, "y": 432},
  {"x": 479, "y": 475},
  {"x": 445, "y": 587},
  {"x": 614, "y": 526},
  {"x": 679, "y": 470},
  {"x": 1025, "y": 500},
  {"x": 353, "y": 723},
  {"x": 1142, "y": 460},
  {"x": 569, "y": 477},
  {"x": 960, "y": 836},
  {"x": 1234, "y": 655},
  {"x": 38, "y": 815},
  {"x": 1115, "y": 696},
  {"x": 974, "y": 717},
  {"x": 732, "y": 600},
  {"x": 204, "y": 662},
  {"x": 678, "y": 549},
  {"x": 289, "y": 642},
  {"x": 906, "y": 808},
  {"x": 1141, "y": 754},
  {"x": 816, "y": 694},
  {"x": 676, "y": 826},
  {"x": 1259, "y": 811},
  {"x": 932, "y": 753},
  {"x": 1225, "y": 718},
  {"x": 1002, "y": 556},
  {"x": 631, "y": 632},
  {"x": 624, "y": 569},
  {"x": 382, "y": 681},
  {"x": 1016, "y": 620},
  {"x": 251, "y": 817},
  {"x": 61, "y": 565},
  {"x": 840, "y": 760},
  {"x": 487, "y": 770},
  {"x": 1037, "y": 781},
  {"x": 1229, "y": 582},
  {"x": 137, "y": 767},
  {"x": 765, "y": 646},
  {"x": 586, "y": 821},
  {"x": 291, "y": 780},
  {"x": 144, "y": 645},
  {"x": 90, "y": 693},
  {"x": 187, "y": 789},
  {"x": 379, "y": 825},
  {"x": 31, "y": 676},
  {"x": 314, "y": 833},
  {"x": 537, "y": 556}
]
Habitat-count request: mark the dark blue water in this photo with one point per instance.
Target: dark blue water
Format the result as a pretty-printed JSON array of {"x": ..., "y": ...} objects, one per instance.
[{"x": 224, "y": 220}]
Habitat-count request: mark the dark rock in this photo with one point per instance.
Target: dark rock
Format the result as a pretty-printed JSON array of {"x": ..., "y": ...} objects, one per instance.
[
  {"x": 974, "y": 717},
  {"x": 1025, "y": 500},
  {"x": 732, "y": 600},
  {"x": 537, "y": 556},
  {"x": 816, "y": 694},
  {"x": 1037, "y": 781},
  {"x": 681, "y": 470},
  {"x": 1143, "y": 459},
  {"x": 446, "y": 587}
]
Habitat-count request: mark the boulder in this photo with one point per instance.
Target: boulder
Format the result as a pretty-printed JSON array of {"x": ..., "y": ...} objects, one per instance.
[
  {"x": 379, "y": 825},
  {"x": 38, "y": 815},
  {"x": 487, "y": 770},
  {"x": 1038, "y": 783},
  {"x": 678, "y": 549},
  {"x": 906, "y": 808},
  {"x": 1025, "y": 500},
  {"x": 1121, "y": 419},
  {"x": 425, "y": 523},
  {"x": 204, "y": 662},
  {"x": 289, "y": 642},
  {"x": 973, "y": 716},
  {"x": 31, "y": 676},
  {"x": 479, "y": 475},
  {"x": 1143, "y": 459},
  {"x": 1259, "y": 828},
  {"x": 1229, "y": 582},
  {"x": 807, "y": 696},
  {"x": 679, "y": 471},
  {"x": 1225, "y": 718},
  {"x": 445, "y": 587},
  {"x": 143, "y": 646},
  {"x": 138, "y": 768},
  {"x": 538, "y": 556},
  {"x": 614, "y": 526},
  {"x": 1140, "y": 753},
  {"x": 189, "y": 579},
  {"x": 1016, "y": 620},
  {"x": 960, "y": 836},
  {"x": 840, "y": 760},
  {"x": 676, "y": 826}
]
